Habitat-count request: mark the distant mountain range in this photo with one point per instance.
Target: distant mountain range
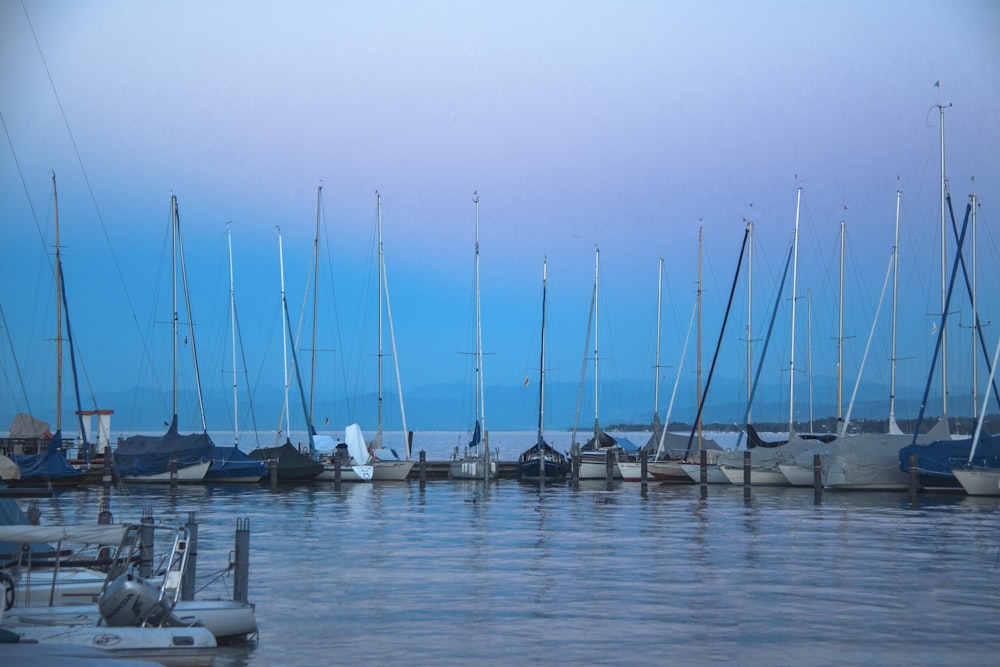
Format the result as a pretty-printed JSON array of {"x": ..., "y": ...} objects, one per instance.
[{"x": 511, "y": 407}]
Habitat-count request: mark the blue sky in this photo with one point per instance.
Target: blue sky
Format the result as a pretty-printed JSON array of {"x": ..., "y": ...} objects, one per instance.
[{"x": 624, "y": 125}]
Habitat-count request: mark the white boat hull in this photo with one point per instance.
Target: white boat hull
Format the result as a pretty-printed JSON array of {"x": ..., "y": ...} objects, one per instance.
[
  {"x": 595, "y": 467},
  {"x": 796, "y": 475},
  {"x": 391, "y": 471},
  {"x": 667, "y": 471},
  {"x": 194, "y": 647},
  {"x": 224, "y": 619},
  {"x": 758, "y": 476},
  {"x": 979, "y": 481},
  {"x": 188, "y": 474},
  {"x": 714, "y": 474}
]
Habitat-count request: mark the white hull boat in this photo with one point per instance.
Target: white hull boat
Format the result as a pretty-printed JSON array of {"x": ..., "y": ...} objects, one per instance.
[
  {"x": 224, "y": 619},
  {"x": 797, "y": 475},
  {"x": 188, "y": 647},
  {"x": 758, "y": 476},
  {"x": 187, "y": 474},
  {"x": 979, "y": 481},
  {"x": 713, "y": 472}
]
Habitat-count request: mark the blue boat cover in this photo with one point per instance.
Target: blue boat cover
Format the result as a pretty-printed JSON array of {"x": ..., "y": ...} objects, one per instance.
[
  {"x": 50, "y": 464},
  {"x": 939, "y": 457},
  {"x": 229, "y": 462},
  {"x": 150, "y": 455}
]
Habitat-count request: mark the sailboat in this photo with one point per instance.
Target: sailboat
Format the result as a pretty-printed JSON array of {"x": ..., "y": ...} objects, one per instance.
[
  {"x": 386, "y": 462},
  {"x": 232, "y": 464},
  {"x": 50, "y": 465},
  {"x": 594, "y": 453},
  {"x": 541, "y": 462},
  {"x": 291, "y": 464},
  {"x": 767, "y": 456},
  {"x": 160, "y": 459},
  {"x": 476, "y": 462}
]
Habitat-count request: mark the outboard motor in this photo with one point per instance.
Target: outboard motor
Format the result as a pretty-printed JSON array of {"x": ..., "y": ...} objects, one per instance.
[{"x": 131, "y": 601}]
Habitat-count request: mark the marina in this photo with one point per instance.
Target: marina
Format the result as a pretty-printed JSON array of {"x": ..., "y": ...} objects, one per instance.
[{"x": 455, "y": 572}]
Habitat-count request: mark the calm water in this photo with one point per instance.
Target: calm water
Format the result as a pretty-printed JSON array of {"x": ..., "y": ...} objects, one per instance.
[{"x": 445, "y": 574}]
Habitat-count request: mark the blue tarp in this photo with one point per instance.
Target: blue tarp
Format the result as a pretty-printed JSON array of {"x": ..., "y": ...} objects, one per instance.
[
  {"x": 50, "y": 465},
  {"x": 150, "y": 455},
  {"x": 939, "y": 457}
]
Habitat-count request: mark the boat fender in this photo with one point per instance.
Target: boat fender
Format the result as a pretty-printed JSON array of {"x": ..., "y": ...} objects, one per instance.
[{"x": 10, "y": 590}]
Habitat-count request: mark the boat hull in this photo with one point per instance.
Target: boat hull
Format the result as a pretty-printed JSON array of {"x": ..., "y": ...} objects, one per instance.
[
  {"x": 758, "y": 477},
  {"x": 667, "y": 471},
  {"x": 714, "y": 473},
  {"x": 979, "y": 481},
  {"x": 194, "y": 647},
  {"x": 186, "y": 475}
]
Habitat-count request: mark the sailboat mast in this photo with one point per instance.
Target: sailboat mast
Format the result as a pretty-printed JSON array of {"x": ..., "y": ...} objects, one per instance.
[
  {"x": 59, "y": 300},
  {"x": 480, "y": 388},
  {"x": 541, "y": 366},
  {"x": 541, "y": 384},
  {"x": 840, "y": 330},
  {"x": 173, "y": 284},
  {"x": 284, "y": 336},
  {"x": 312, "y": 362},
  {"x": 378, "y": 227},
  {"x": 944, "y": 277},
  {"x": 975, "y": 312},
  {"x": 232, "y": 318},
  {"x": 893, "y": 427},
  {"x": 659, "y": 309},
  {"x": 795, "y": 276},
  {"x": 597, "y": 267},
  {"x": 698, "y": 342},
  {"x": 749, "y": 313}
]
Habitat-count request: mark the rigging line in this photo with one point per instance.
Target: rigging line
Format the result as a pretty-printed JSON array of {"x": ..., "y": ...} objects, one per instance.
[
  {"x": 24, "y": 184},
  {"x": 17, "y": 367},
  {"x": 86, "y": 177}
]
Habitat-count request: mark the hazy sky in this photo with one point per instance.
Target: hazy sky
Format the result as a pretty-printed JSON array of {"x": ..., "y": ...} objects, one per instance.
[{"x": 627, "y": 125}]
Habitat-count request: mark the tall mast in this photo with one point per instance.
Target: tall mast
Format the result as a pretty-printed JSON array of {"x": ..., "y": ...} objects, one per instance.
[
  {"x": 378, "y": 226},
  {"x": 597, "y": 267},
  {"x": 749, "y": 313},
  {"x": 893, "y": 426},
  {"x": 480, "y": 389},
  {"x": 840, "y": 333},
  {"x": 795, "y": 276},
  {"x": 698, "y": 392},
  {"x": 944, "y": 278},
  {"x": 656, "y": 367},
  {"x": 173, "y": 284},
  {"x": 975, "y": 311},
  {"x": 541, "y": 378},
  {"x": 284, "y": 336},
  {"x": 312, "y": 363},
  {"x": 232, "y": 318},
  {"x": 59, "y": 306}
]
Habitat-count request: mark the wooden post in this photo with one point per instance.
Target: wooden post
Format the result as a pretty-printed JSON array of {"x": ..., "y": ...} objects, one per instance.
[
  {"x": 191, "y": 568},
  {"x": 106, "y": 475},
  {"x": 704, "y": 467},
  {"x": 423, "y": 466},
  {"x": 914, "y": 475},
  {"x": 817, "y": 477},
  {"x": 746, "y": 476},
  {"x": 272, "y": 469},
  {"x": 609, "y": 466},
  {"x": 643, "y": 467},
  {"x": 241, "y": 561},
  {"x": 146, "y": 549}
]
